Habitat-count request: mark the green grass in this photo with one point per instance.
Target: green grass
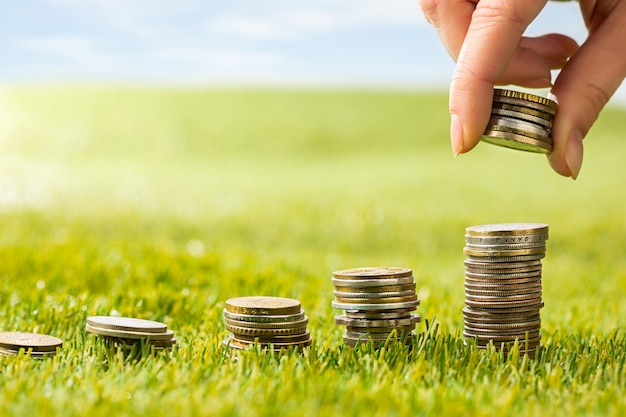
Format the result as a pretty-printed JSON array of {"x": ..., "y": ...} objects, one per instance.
[{"x": 163, "y": 203}]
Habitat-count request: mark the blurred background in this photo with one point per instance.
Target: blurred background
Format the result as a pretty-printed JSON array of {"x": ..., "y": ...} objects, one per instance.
[{"x": 241, "y": 42}]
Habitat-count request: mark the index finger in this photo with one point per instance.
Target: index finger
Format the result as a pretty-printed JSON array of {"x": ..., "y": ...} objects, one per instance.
[{"x": 490, "y": 44}]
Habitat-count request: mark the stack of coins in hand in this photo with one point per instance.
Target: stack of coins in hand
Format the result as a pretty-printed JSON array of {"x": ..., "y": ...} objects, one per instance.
[
  {"x": 36, "y": 345},
  {"x": 128, "y": 332},
  {"x": 272, "y": 322},
  {"x": 503, "y": 284},
  {"x": 521, "y": 121},
  {"x": 378, "y": 303}
]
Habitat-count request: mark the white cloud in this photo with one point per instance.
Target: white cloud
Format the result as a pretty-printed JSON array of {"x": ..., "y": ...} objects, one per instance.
[
  {"x": 206, "y": 57},
  {"x": 78, "y": 50}
]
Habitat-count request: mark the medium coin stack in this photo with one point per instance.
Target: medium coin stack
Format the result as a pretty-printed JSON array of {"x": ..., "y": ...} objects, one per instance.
[
  {"x": 273, "y": 322},
  {"x": 37, "y": 345},
  {"x": 127, "y": 332},
  {"x": 378, "y": 303},
  {"x": 521, "y": 121},
  {"x": 503, "y": 284}
]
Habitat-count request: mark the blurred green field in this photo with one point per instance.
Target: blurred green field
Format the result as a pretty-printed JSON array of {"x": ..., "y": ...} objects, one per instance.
[{"x": 163, "y": 203}]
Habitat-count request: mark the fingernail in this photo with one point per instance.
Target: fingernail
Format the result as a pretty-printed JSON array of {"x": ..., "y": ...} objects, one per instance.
[
  {"x": 456, "y": 135},
  {"x": 574, "y": 153}
]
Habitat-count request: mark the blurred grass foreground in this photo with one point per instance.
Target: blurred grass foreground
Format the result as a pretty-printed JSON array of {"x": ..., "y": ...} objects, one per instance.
[{"x": 163, "y": 203}]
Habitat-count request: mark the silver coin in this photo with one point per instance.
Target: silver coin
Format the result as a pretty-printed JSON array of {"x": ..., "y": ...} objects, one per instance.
[
  {"x": 523, "y": 110},
  {"x": 506, "y": 240},
  {"x": 502, "y": 265},
  {"x": 347, "y": 321},
  {"x": 523, "y": 275},
  {"x": 523, "y": 116},
  {"x": 278, "y": 325},
  {"x": 367, "y": 283},
  {"x": 400, "y": 314},
  {"x": 520, "y": 125},
  {"x": 506, "y": 259},
  {"x": 375, "y": 307},
  {"x": 506, "y": 246},
  {"x": 376, "y": 290},
  {"x": 373, "y": 295}
]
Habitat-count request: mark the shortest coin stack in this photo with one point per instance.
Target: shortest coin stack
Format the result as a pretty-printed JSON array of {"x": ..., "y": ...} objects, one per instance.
[
  {"x": 271, "y": 322},
  {"x": 378, "y": 303},
  {"x": 503, "y": 284},
  {"x": 521, "y": 121},
  {"x": 37, "y": 345},
  {"x": 126, "y": 332}
]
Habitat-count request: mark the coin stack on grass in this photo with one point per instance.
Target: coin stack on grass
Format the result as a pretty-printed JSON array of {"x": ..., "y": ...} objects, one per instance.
[
  {"x": 128, "y": 333},
  {"x": 271, "y": 322},
  {"x": 503, "y": 284},
  {"x": 378, "y": 303},
  {"x": 36, "y": 345},
  {"x": 521, "y": 121}
]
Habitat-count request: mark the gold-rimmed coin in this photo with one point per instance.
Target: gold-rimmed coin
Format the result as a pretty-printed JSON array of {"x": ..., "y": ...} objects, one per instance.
[
  {"x": 499, "y": 93},
  {"x": 371, "y": 283},
  {"x": 373, "y": 272},
  {"x": 282, "y": 318},
  {"x": 263, "y": 305},
  {"x": 278, "y": 325},
  {"x": 265, "y": 333}
]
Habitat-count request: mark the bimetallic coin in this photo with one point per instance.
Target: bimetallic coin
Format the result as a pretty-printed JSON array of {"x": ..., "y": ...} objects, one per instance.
[
  {"x": 278, "y": 325},
  {"x": 501, "y": 253},
  {"x": 283, "y": 318},
  {"x": 373, "y": 272},
  {"x": 39, "y": 343},
  {"x": 371, "y": 283},
  {"x": 515, "y": 141},
  {"x": 501, "y": 92},
  {"x": 126, "y": 323},
  {"x": 263, "y": 305}
]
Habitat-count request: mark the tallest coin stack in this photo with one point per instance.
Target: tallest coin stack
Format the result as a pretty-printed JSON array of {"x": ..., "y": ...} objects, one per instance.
[{"x": 503, "y": 284}]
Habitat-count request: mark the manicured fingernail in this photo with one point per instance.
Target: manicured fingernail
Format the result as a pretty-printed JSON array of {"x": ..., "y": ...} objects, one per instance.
[
  {"x": 456, "y": 134},
  {"x": 574, "y": 153}
]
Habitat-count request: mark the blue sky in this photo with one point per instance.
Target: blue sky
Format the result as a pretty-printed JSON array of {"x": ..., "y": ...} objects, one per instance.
[{"x": 293, "y": 42}]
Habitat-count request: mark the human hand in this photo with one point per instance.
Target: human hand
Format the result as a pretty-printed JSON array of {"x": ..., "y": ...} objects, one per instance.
[{"x": 485, "y": 39}]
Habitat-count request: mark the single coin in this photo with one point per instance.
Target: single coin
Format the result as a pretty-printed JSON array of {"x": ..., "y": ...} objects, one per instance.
[
  {"x": 506, "y": 246},
  {"x": 524, "y": 103},
  {"x": 521, "y": 126},
  {"x": 393, "y": 335},
  {"x": 533, "y": 339},
  {"x": 373, "y": 272},
  {"x": 502, "y": 304},
  {"x": 278, "y": 339},
  {"x": 234, "y": 343},
  {"x": 525, "y": 275},
  {"x": 502, "y": 265},
  {"x": 368, "y": 307},
  {"x": 372, "y": 283},
  {"x": 126, "y": 323},
  {"x": 279, "y": 325},
  {"x": 265, "y": 332},
  {"x": 513, "y": 141},
  {"x": 39, "y": 343},
  {"x": 506, "y": 259},
  {"x": 129, "y": 343},
  {"x": 494, "y": 253},
  {"x": 505, "y": 240},
  {"x": 370, "y": 300},
  {"x": 507, "y": 229},
  {"x": 263, "y": 305},
  {"x": 283, "y": 318},
  {"x": 504, "y": 326},
  {"x": 497, "y": 282},
  {"x": 522, "y": 109},
  {"x": 500, "y": 127},
  {"x": 503, "y": 92},
  {"x": 501, "y": 271},
  {"x": 481, "y": 312},
  {"x": 493, "y": 323},
  {"x": 375, "y": 295},
  {"x": 376, "y": 290},
  {"x": 503, "y": 331},
  {"x": 379, "y": 330},
  {"x": 499, "y": 299},
  {"x": 473, "y": 293},
  {"x": 400, "y": 314},
  {"x": 352, "y": 342},
  {"x": 523, "y": 116},
  {"x": 367, "y": 323},
  {"x": 529, "y": 286},
  {"x": 166, "y": 335},
  {"x": 29, "y": 352}
]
